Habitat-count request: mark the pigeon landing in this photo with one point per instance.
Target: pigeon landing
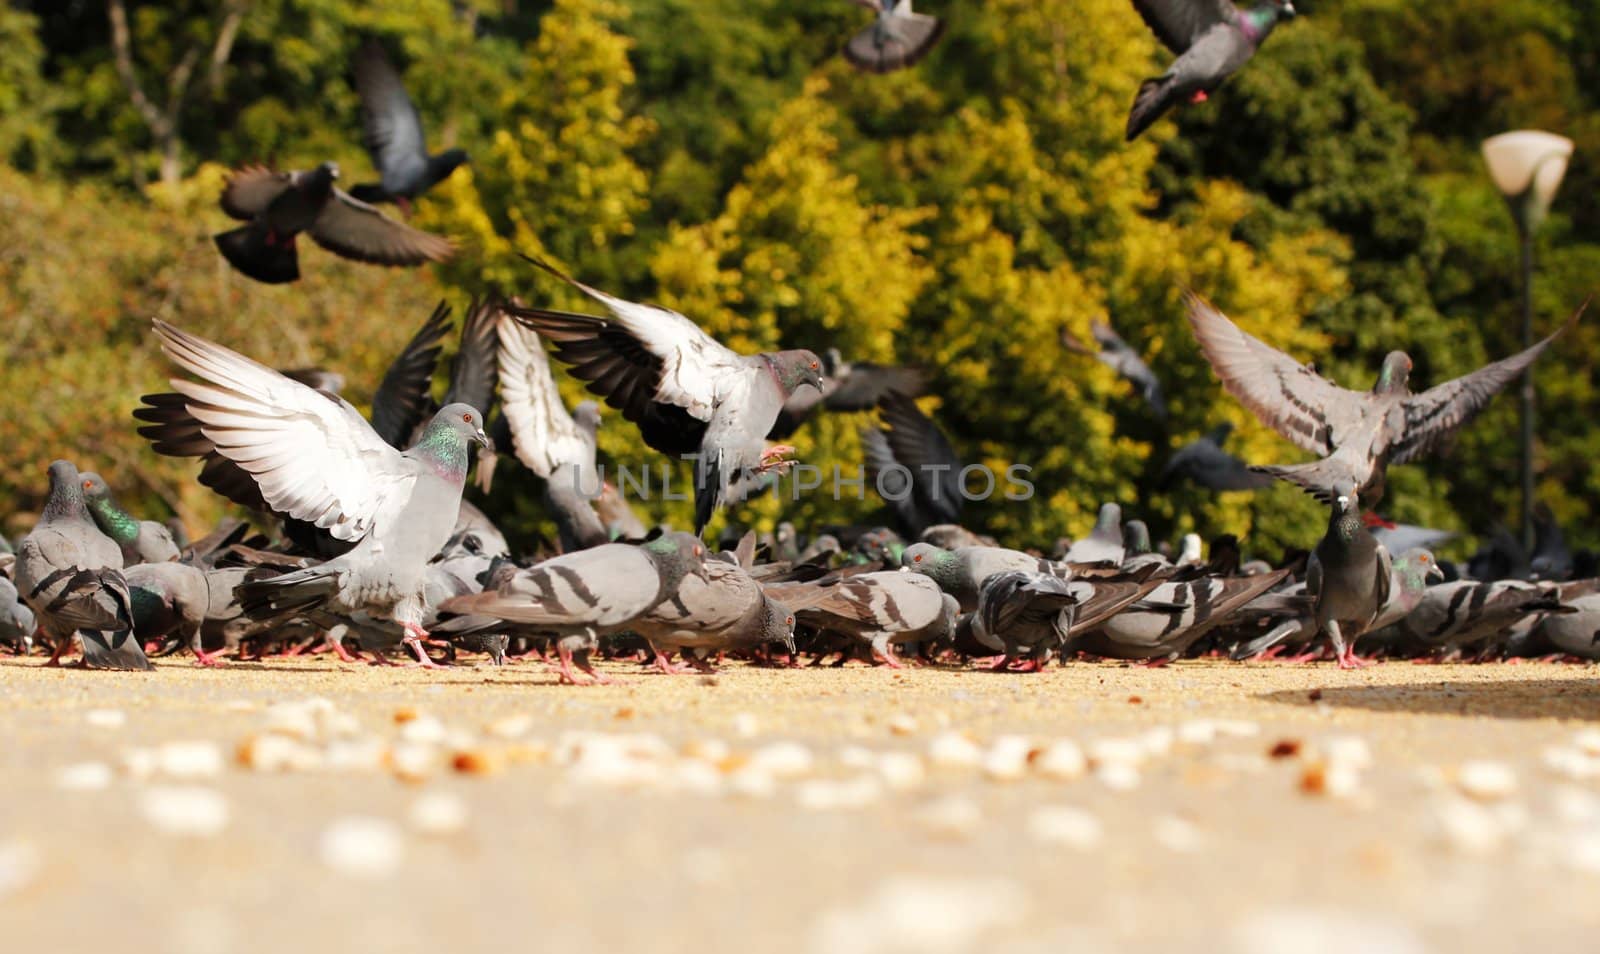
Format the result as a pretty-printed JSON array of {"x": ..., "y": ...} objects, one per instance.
[
  {"x": 317, "y": 459},
  {"x": 1119, "y": 356},
  {"x": 392, "y": 132},
  {"x": 688, "y": 394},
  {"x": 896, "y": 39},
  {"x": 279, "y": 206},
  {"x": 1357, "y": 433},
  {"x": 912, "y": 462},
  {"x": 1213, "y": 40}
]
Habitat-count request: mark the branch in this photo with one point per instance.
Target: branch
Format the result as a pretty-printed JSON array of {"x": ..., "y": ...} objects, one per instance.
[
  {"x": 232, "y": 17},
  {"x": 121, "y": 47}
]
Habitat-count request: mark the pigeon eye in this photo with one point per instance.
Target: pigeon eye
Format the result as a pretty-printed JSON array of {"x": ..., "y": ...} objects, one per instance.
[
  {"x": 815, "y": 366},
  {"x": 789, "y": 621},
  {"x": 917, "y": 558},
  {"x": 467, "y": 418}
]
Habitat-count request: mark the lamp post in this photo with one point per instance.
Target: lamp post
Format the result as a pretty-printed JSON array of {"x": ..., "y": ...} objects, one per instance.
[{"x": 1527, "y": 167}]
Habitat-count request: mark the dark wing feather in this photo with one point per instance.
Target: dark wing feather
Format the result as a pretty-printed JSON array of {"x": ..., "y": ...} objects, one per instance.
[
  {"x": 619, "y": 368},
  {"x": 353, "y": 229},
  {"x": 918, "y": 444},
  {"x": 476, "y": 368},
  {"x": 1178, "y": 23},
  {"x": 866, "y": 384},
  {"x": 1286, "y": 395},
  {"x": 250, "y": 190},
  {"x": 391, "y": 129},
  {"x": 405, "y": 396},
  {"x": 1433, "y": 415}
]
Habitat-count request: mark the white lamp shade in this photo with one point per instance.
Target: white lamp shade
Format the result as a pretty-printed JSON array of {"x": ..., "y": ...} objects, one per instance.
[{"x": 1528, "y": 159}]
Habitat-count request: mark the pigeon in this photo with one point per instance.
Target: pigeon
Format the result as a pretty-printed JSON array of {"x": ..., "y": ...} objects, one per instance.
[
  {"x": 70, "y": 575},
  {"x": 896, "y": 39},
  {"x": 1409, "y": 574},
  {"x": 1552, "y": 560},
  {"x": 1120, "y": 357},
  {"x": 727, "y": 610},
  {"x": 1019, "y": 611},
  {"x": 847, "y": 386},
  {"x": 142, "y": 541},
  {"x": 961, "y": 572},
  {"x": 404, "y": 398},
  {"x": 1172, "y": 616},
  {"x": 687, "y": 393},
  {"x": 1203, "y": 461},
  {"x": 617, "y": 515},
  {"x": 1104, "y": 542},
  {"x": 1212, "y": 38},
  {"x": 171, "y": 599},
  {"x": 16, "y": 619},
  {"x": 1357, "y": 433},
  {"x": 558, "y": 446},
  {"x": 1501, "y": 557},
  {"x": 879, "y": 608},
  {"x": 1400, "y": 537},
  {"x": 582, "y": 596},
  {"x": 281, "y": 205},
  {"x": 911, "y": 464},
  {"x": 1467, "y": 613},
  {"x": 1576, "y": 633},
  {"x": 1189, "y": 554},
  {"x": 1349, "y": 577},
  {"x": 317, "y": 459},
  {"x": 392, "y": 132}
]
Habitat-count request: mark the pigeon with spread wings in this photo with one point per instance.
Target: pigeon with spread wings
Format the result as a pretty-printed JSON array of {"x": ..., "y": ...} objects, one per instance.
[
  {"x": 392, "y": 133},
  {"x": 280, "y": 205},
  {"x": 1358, "y": 433},
  {"x": 687, "y": 393}
]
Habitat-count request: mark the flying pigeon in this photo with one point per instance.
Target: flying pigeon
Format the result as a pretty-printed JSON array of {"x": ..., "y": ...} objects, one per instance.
[
  {"x": 1212, "y": 38},
  {"x": 880, "y": 608},
  {"x": 727, "y": 610},
  {"x": 1349, "y": 577},
  {"x": 896, "y": 39},
  {"x": 1357, "y": 433},
  {"x": 70, "y": 575},
  {"x": 847, "y": 386},
  {"x": 1120, "y": 357},
  {"x": 687, "y": 393},
  {"x": 583, "y": 595},
  {"x": 1203, "y": 461},
  {"x": 392, "y": 132},
  {"x": 142, "y": 541},
  {"x": 961, "y": 572},
  {"x": 315, "y": 458},
  {"x": 911, "y": 464},
  {"x": 1400, "y": 537},
  {"x": 281, "y": 205},
  {"x": 558, "y": 446}
]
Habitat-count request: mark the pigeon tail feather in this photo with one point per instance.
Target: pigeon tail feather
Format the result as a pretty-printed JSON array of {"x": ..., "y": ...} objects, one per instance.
[{"x": 249, "y": 250}]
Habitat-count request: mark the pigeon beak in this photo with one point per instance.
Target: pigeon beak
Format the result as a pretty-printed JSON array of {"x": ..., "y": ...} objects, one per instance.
[
  {"x": 483, "y": 440},
  {"x": 1435, "y": 572},
  {"x": 1288, "y": 10},
  {"x": 1343, "y": 502}
]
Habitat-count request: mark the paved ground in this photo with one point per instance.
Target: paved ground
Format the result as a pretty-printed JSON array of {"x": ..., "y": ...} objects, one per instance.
[{"x": 1258, "y": 808}]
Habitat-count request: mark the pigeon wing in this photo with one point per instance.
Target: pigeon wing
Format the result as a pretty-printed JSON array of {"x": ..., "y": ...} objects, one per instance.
[
  {"x": 250, "y": 190},
  {"x": 543, "y": 431},
  {"x": 1178, "y": 23},
  {"x": 405, "y": 396},
  {"x": 353, "y": 229},
  {"x": 390, "y": 127}
]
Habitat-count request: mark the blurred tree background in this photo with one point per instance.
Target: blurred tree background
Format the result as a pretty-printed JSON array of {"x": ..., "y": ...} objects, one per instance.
[{"x": 715, "y": 155}]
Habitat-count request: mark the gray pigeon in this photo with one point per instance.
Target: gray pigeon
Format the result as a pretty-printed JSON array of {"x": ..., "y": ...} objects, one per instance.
[
  {"x": 896, "y": 39},
  {"x": 910, "y": 463},
  {"x": 617, "y": 514},
  {"x": 1357, "y": 433},
  {"x": 70, "y": 575},
  {"x": 1576, "y": 633},
  {"x": 961, "y": 572},
  {"x": 1349, "y": 577},
  {"x": 1213, "y": 40},
  {"x": 847, "y": 386},
  {"x": 171, "y": 599},
  {"x": 16, "y": 619},
  {"x": 1400, "y": 537},
  {"x": 1552, "y": 559},
  {"x": 1104, "y": 542},
  {"x": 1471, "y": 614},
  {"x": 142, "y": 541},
  {"x": 1020, "y": 612},
  {"x": 558, "y": 446},
  {"x": 392, "y": 132},
  {"x": 727, "y": 610},
  {"x": 1173, "y": 616},
  {"x": 315, "y": 458},
  {"x": 1119, "y": 356},
  {"x": 280, "y": 205},
  {"x": 687, "y": 393},
  {"x": 880, "y": 609},
  {"x": 582, "y": 596},
  {"x": 1203, "y": 461}
]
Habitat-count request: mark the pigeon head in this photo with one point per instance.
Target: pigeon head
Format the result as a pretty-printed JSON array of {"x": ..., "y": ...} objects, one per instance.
[
  {"x": 796, "y": 368},
  {"x": 1345, "y": 500},
  {"x": 927, "y": 559},
  {"x": 66, "y": 490},
  {"x": 1136, "y": 537},
  {"x": 94, "y": 486},
  {"x": 1395, "y": 375},
  {"x": 321, "y": 178},
  {"x": 587, "y": 416},
  {"x": 1259, "y": 20},
  {"x": 777, "y": 624},
  {"x": 115, "y": 522},
  {"x": 1109, "y": 519},
  {"x": 676, "y": 555},
  {"x": 445, "y": 440}
]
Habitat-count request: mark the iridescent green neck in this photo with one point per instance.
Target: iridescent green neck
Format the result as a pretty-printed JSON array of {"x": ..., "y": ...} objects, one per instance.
[
  {"x": 114, "y": 522},
  {"x": 1259, "y": 20},
  {"x": 445, "y": 450}
]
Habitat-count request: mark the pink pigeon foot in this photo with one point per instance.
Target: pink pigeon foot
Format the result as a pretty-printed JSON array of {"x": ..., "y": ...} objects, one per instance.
[
  {"x": 775, "y": 457},
  {"x": 1199, "y": 96},
  {"x": 414, "y": 638},
  {"x": 1349, "y": 660},
  {"x": 203, "y": 658}
]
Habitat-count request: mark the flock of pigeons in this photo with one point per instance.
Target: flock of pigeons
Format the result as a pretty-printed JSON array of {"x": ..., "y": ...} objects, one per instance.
[{"x": 368, "y": 545}]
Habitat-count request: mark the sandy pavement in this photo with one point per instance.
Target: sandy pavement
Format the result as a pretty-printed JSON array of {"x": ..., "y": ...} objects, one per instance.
[{"x": 853, "y": 810}]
